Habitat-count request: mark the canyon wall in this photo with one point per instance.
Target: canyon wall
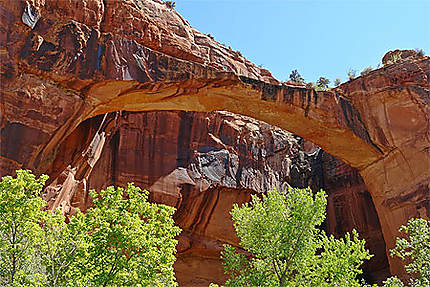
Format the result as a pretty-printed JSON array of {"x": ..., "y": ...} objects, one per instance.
[
  {"x": 202, "y": 163},
  {"x": 64, "y": 64}
]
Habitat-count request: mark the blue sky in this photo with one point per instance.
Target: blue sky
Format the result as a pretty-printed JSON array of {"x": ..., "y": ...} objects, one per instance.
[{"x": 317, "y": 37}]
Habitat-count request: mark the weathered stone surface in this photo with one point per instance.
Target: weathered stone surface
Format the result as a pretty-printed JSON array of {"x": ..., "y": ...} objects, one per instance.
[
  {"x": 350, "y": 206},
  {"x": 398, "y": 55},
  {"x": 93, "y": 58},
  {"x": 397, "y": 117},
  {"x": 202, "y": 163}
]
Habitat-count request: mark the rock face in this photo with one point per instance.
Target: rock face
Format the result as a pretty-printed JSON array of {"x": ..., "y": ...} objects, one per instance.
[
  {"x": 65, "y": 64},
  {"x": 202, "y": 163},
  {"x": 398, "y": 55},
  {"x": 350, "y": 206}
]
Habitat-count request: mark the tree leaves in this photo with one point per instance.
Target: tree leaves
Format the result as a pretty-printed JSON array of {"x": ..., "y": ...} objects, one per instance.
[
  {"x": 414, "y": 249},
  {"x": 20, "y": 213},
  {"x": 122, "y": 241},
  {"x": 283, "y": 245},
  {"x": 132, "y": 241}
]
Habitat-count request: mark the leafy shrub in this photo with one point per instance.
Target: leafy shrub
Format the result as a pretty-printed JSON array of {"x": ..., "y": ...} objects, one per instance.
[
  {"x": 296, "y": 77},
  {"x": 394, "y": 58},
  {"x": 285, "y": 247},
  {"x": 170, "y": 4},
  {"x": 420, "y": 52},
  {"x": 415, "y": 250},
  {"x": 352, "y": 74},
  {"x": 366, "y": 71}
]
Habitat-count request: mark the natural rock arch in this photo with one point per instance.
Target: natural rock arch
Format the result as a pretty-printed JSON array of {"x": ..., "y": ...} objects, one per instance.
[
  {"x": 98, "y": 64},
  {"x": 390, "y": 150}
]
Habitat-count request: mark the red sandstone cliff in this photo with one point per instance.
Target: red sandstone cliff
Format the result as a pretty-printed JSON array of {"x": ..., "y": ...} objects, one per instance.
[
  {"x": 202, "y": 163},
  {"x": 63, "y": 62}
]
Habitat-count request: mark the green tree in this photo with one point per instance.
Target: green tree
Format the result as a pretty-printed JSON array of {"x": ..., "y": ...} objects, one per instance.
[
  {"x": 283, "y": 246},
  {"x": 322, "y": 84},
  {"x": 122, "y": 241},
  {"x": 132, "y": 241},
  {"x": 296, "y": 77},
  {"x": 20, "y": 214},
  {"x": 414, "y": 249},
  {"x": 337, "y": 82},
  {"x": 61, "y": 247}
]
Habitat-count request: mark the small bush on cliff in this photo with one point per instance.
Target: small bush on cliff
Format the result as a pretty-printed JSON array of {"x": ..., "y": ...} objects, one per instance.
[
  {"x": 122, "y": 241},
  {"x": 420, "y": 52},
  {"x": 351, "y": 74},
  {"x": 394, "y": 58},
  {"x": 283, "y": 246},
  {"x": 366, "y": 71},
  {"x": 414, "y": 249},
  {"x": 322, "y": 84},
  {"x": 170, "y": 4},
  {"x": 296, "y": 77},
  {"x": 337, "y": 82}
]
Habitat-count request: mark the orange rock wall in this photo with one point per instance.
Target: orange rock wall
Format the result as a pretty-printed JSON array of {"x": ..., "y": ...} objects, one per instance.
[
  {"x": 202, "y": 163},
  {"x": 62, "y": 62}
]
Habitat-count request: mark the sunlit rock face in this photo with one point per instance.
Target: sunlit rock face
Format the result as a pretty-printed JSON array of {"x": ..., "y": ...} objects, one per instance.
[
  {"x": 65, "y": 64},
  {"x": 202, "y": 163}
]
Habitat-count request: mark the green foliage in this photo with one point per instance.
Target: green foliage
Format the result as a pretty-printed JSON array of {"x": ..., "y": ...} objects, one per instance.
[
  {"x": 132, "y": 241},
  {"x": 414, "y": 249},
  {"x": 281, "y": 240},
  {"x": 366, "y": 71},
  {"x": 296, "y": 77},
  {"x": 393, "y": 282},
  {"x": 20, "y": 214},
  {"x": 123, "y": 241},
  {"x": 337, "y": 82},
  {"x": 61, "y": 247},
  {"x": 322, "y": 84},
  {"x": 339, "y": 262},
  {"x": 352, "y": 74}
]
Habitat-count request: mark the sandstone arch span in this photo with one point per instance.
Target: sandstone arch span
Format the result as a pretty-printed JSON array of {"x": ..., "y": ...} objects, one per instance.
[
  {"x": 397, "y": 167},
  {"x": 139, "y": 56}
]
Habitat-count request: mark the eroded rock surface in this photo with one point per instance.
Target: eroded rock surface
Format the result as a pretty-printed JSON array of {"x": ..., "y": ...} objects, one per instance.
[
  {"x": 202, "y": 163},
  {"x": 350, "y": 206},
  {"x": 62, "y": 62}
]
